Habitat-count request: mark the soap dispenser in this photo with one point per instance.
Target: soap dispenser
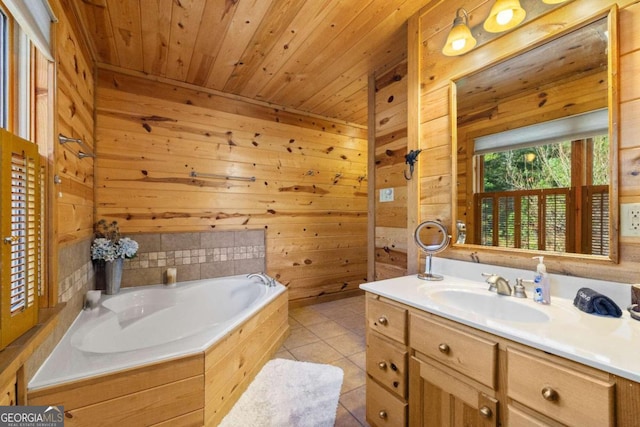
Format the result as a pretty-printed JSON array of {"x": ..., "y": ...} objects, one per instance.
[{"x": 541, "y": 286}]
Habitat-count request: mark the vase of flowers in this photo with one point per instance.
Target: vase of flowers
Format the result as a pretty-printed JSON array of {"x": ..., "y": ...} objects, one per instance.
[{"x": 109, "y": 250}]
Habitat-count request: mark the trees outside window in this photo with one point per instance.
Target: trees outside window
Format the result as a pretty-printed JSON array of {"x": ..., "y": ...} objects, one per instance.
[{"x": 550, "y": 197}]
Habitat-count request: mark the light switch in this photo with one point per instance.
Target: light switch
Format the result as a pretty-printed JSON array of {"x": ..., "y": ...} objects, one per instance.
[{"x": 386, "y": 195}]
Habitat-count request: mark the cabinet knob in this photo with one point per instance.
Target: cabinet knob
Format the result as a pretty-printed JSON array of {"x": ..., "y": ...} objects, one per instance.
[
  {"x": 486, "y": 412},
  {"x": 383, "y": 320},
  {"x": 383, "y": 414},
  {"x": 382, "y": 365},
  {"x": 444, "y": 348},
  {"x": 550, "y": 394}
]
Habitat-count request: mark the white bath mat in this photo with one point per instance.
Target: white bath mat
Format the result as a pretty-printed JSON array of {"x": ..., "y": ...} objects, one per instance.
[{"x": 287, "y": 393}]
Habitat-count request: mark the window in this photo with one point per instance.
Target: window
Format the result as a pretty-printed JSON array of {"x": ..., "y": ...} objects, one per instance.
[
  {"x": 24, "y": 27},
  {"x": 24, "y": 85},
  {"x": 539, "y": 190},
  {"x": 4, "y": 68}
]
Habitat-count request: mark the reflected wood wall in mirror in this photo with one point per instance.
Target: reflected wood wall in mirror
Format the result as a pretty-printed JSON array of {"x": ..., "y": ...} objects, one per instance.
[{"x": 562, "y": 76}]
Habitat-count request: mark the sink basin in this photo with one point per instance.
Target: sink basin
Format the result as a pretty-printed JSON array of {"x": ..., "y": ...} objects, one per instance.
[{"x": 490, "y": 305}]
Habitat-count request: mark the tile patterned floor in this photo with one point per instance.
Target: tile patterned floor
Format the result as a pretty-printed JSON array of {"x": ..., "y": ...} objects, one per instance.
[{"x": 333, "y": 333}]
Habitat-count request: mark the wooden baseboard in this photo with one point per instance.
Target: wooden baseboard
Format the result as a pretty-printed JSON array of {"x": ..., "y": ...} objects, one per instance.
[{"x": 303, "y": 302}]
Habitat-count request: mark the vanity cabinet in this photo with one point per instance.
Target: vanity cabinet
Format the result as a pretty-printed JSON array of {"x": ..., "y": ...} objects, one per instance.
[
  {"x": 387, "y": 363},
  {"x": 425, "y": 370}
]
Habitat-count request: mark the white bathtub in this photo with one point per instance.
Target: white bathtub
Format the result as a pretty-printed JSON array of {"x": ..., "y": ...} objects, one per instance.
[{"x": 152, "y": 323}]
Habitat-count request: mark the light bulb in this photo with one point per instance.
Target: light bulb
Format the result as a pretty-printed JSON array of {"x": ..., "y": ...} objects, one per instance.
[
  {"x": 504, "y": 16},
  {"x": 460, "y": 40},
  {"x": 458, "y": 44}
]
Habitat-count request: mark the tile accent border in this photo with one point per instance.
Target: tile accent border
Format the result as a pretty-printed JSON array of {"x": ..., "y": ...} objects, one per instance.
[
  {"x": 193, "y": 256},
  {"x": 200, "y": 255}
]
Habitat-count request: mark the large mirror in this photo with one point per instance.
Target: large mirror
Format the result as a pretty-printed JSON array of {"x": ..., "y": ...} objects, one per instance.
[{"x": 535, "y": 160}]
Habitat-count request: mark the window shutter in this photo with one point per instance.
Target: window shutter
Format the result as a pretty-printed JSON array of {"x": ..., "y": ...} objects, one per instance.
[{"x": 20, "y": 226}]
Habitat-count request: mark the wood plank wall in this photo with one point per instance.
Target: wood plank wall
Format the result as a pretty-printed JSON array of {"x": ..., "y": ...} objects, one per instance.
[
  {"x": 74, "y": 118},
  {"x": 436, "y": 72},
  {"x": 390, "y": 150},
  {"x": 310, "y": 192}
]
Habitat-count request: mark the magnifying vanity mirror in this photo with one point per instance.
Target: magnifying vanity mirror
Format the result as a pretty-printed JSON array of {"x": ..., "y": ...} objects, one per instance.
[
  {"x": 432, "y": 237},
  {"x": 536, "y": 158}
]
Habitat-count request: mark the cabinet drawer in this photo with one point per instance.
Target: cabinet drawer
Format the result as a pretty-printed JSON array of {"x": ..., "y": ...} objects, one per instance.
[
  {"x": 518, "y": 418},
  {"x": 387, "y": 363},
  {"x": 383, "y": 408},
  {"x": 472, "y": 356},
  {"x": 565, "y": 395},
  {"x": 387, "y": 319}
]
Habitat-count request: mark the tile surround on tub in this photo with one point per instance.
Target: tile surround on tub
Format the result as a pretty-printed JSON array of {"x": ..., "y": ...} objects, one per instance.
[
  {"x": 75, "y": 270},
  {"x": 200, "y": 255}
]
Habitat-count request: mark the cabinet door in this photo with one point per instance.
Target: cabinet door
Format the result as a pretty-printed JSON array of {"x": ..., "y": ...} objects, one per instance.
[{"x": 438, "y": 399}]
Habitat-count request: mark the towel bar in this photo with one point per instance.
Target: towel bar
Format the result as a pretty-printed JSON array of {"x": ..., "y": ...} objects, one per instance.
[{"x": 195, "y": 174}]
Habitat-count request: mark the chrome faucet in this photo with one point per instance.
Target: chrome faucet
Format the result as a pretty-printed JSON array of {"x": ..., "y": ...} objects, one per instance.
[
  {"x": 268, "y": 281},
  {"x": 497, "y": 284},
  {"x": 518, "y": 290}
]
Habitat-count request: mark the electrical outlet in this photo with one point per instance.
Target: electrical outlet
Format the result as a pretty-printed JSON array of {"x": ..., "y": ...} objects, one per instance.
[
  {"x": 386, "y": 195},
  {"x": 630, "y": 219}
]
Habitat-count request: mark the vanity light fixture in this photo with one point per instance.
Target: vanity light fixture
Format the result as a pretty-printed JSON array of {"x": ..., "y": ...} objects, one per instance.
[
  {"x": 460, "y": 39},
  {"x": 504, "y": 15}
]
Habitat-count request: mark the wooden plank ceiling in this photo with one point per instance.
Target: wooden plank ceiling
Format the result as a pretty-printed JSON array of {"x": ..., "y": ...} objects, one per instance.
[{"x": 307, "y": 55}]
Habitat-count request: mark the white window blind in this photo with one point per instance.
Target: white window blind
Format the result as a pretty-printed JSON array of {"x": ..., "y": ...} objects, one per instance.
[
  {"x": 565, "y": 129},
  {"x": 35, "y": 18}
]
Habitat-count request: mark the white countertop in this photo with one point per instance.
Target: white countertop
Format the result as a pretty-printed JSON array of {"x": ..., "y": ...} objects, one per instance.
[{"x": 606, "y": 343}]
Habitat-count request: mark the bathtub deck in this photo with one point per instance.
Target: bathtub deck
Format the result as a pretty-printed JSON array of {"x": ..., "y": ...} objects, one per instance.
[{"x": 193, "y": 390}]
